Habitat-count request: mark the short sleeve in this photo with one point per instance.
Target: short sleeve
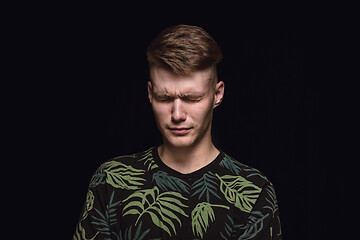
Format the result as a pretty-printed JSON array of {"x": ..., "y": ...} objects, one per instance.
[
  {"x": 94, "y": 219},
  {"x": 263, "y": 221}
]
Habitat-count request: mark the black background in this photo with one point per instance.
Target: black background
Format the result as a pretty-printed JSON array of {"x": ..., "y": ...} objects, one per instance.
[{"x": 84, "y": 99}]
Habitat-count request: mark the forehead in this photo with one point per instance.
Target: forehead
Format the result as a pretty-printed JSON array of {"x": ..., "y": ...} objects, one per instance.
[{"x": 166, "y": 81}]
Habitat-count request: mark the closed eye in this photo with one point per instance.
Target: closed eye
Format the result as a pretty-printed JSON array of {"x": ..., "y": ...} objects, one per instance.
[
  {"x": 169, "y": 98},
  {"x": 163, "y": 98},
  {"x": 193, "y": 99}
]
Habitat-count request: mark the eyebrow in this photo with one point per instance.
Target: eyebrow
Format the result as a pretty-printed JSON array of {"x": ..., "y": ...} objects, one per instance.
[
  {"x": 161, "y": 94},
  {"x": 185, "y": 95},
  {"x": 190, "y": 94}
]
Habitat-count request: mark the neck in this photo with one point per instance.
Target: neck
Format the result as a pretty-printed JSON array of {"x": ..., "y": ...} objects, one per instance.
[{"x": 188, "y": 159}]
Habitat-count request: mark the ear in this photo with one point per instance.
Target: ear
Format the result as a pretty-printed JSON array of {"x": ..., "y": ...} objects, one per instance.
[
  {"x": 219, "y": 93},
  {"x": 149, "y": 88}
]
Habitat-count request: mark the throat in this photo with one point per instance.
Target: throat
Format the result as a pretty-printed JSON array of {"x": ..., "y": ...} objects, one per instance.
[{"x": 186, "y": 160}]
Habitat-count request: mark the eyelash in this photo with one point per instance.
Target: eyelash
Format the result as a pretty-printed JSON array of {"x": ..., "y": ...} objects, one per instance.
[
  {"x": 185, "y": 99},
  {"x": 193, "y": 100}
]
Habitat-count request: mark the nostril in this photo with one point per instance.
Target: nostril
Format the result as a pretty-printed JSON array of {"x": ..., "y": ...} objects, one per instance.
[
  {"x": 178, "y": 116},
  {"x": 178, "y": 112}
]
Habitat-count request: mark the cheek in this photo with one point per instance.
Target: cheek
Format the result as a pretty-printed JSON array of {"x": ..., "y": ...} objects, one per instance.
[
  {"x": 161, "y": 112},
  {"x": 201, "y": 113}
]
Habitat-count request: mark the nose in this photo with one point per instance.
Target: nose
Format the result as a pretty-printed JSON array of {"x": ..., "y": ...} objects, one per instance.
[{"x": 178, "y": 113}]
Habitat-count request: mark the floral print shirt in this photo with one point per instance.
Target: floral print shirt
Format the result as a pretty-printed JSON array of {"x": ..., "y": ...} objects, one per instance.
[{"x": 139, "y": 197}]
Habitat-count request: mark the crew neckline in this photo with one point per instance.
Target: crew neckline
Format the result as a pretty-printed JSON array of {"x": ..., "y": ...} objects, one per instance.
[{"x": 176, "y": 173}]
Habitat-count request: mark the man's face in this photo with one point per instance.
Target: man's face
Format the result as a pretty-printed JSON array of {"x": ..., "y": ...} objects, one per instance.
[{"x": 183, "y": 105}]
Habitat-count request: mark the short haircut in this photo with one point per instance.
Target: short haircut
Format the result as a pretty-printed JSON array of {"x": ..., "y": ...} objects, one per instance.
[{"x": 183, "y": 49}]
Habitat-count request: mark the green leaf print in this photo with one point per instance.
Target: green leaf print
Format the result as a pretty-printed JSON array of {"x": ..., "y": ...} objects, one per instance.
[
  {"x": 88, "y": 204},
  {"x": 239, "y": 191},
  {"x": 128, "y": 234},
  {"x": 103, "y": 221},
  {"x": 231, "y": 164},
  {"x": 237, "y": 167},
  {"x": 80, "y": 233},
  {"x": 123, "y": 176},
  {"x": 167, "y": 182},
  {"x": 97, "y": 178},
  {"x": 271, "y": 199},
  {"x": 148, "y": 160},
  {"x": 163, "y": 208},
  {"x": 254, "y": 225},
  {"x": 207, "y": 184},
  {"x": 201, "y": 215},
  {"x": 230, "y": 229}
]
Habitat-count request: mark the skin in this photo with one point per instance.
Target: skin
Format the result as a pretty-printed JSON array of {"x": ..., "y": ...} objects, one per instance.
[{"x": 183, "y": 107}]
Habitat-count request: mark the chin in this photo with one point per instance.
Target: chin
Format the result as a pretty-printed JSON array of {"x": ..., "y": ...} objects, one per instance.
[{"x": 179, "y": 142}]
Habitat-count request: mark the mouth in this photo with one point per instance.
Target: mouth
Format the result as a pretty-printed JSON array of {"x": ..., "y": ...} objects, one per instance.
[{"x": 180, "y": 131}]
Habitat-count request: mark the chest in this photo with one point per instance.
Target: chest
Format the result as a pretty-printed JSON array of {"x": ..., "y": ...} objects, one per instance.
[{"x": 168, "y": 207}]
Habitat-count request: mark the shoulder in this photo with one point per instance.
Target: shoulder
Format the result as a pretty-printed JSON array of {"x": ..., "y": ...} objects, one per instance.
[
  {"x": 235, "y": 168},
  {"x": 123, "y": 171},
  {"x": 135, "y": 160}
]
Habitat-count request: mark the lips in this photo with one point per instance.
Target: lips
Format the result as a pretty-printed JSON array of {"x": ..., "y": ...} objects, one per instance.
[{"x": 180, "y": 131}]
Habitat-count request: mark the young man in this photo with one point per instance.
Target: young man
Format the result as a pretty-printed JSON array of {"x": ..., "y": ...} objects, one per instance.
[{"x": 186, "y": 188}]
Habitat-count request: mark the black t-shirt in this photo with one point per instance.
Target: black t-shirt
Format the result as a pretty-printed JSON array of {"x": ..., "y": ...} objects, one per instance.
[{"x": 139, "y": 197}]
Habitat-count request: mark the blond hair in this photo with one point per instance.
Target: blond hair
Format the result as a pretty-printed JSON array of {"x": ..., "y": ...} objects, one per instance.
[{"x": 183, "y": 49}]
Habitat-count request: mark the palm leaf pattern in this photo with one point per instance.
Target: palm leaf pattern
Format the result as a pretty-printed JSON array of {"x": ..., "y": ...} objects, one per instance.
[
  {"x": 167, "y": 182},
  {"x": 145, "y": 201},
  {"x": 105, "y": 220},
  {"x": 97, "y": 178},
  {"x": 128, "y": 234},
  {"x": 237, "y": 167},
  {"x": 230, "y": 228},
  {"x": 148, "y": 160},
  {"x": 120, "y": 175},
  {"x": 201, "y": 215},
  {"x": 89, "y": 204},
  {"x": 80, "y": 233},
  {"x": 239, "y": 191},
  {"x": 231, "y": 164},
  {"x": 271, "y": 199},
  {"x": 161, "y": 207},
  {"x": 207, "y": 184},
  {"x": 254, "y": 225}
]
